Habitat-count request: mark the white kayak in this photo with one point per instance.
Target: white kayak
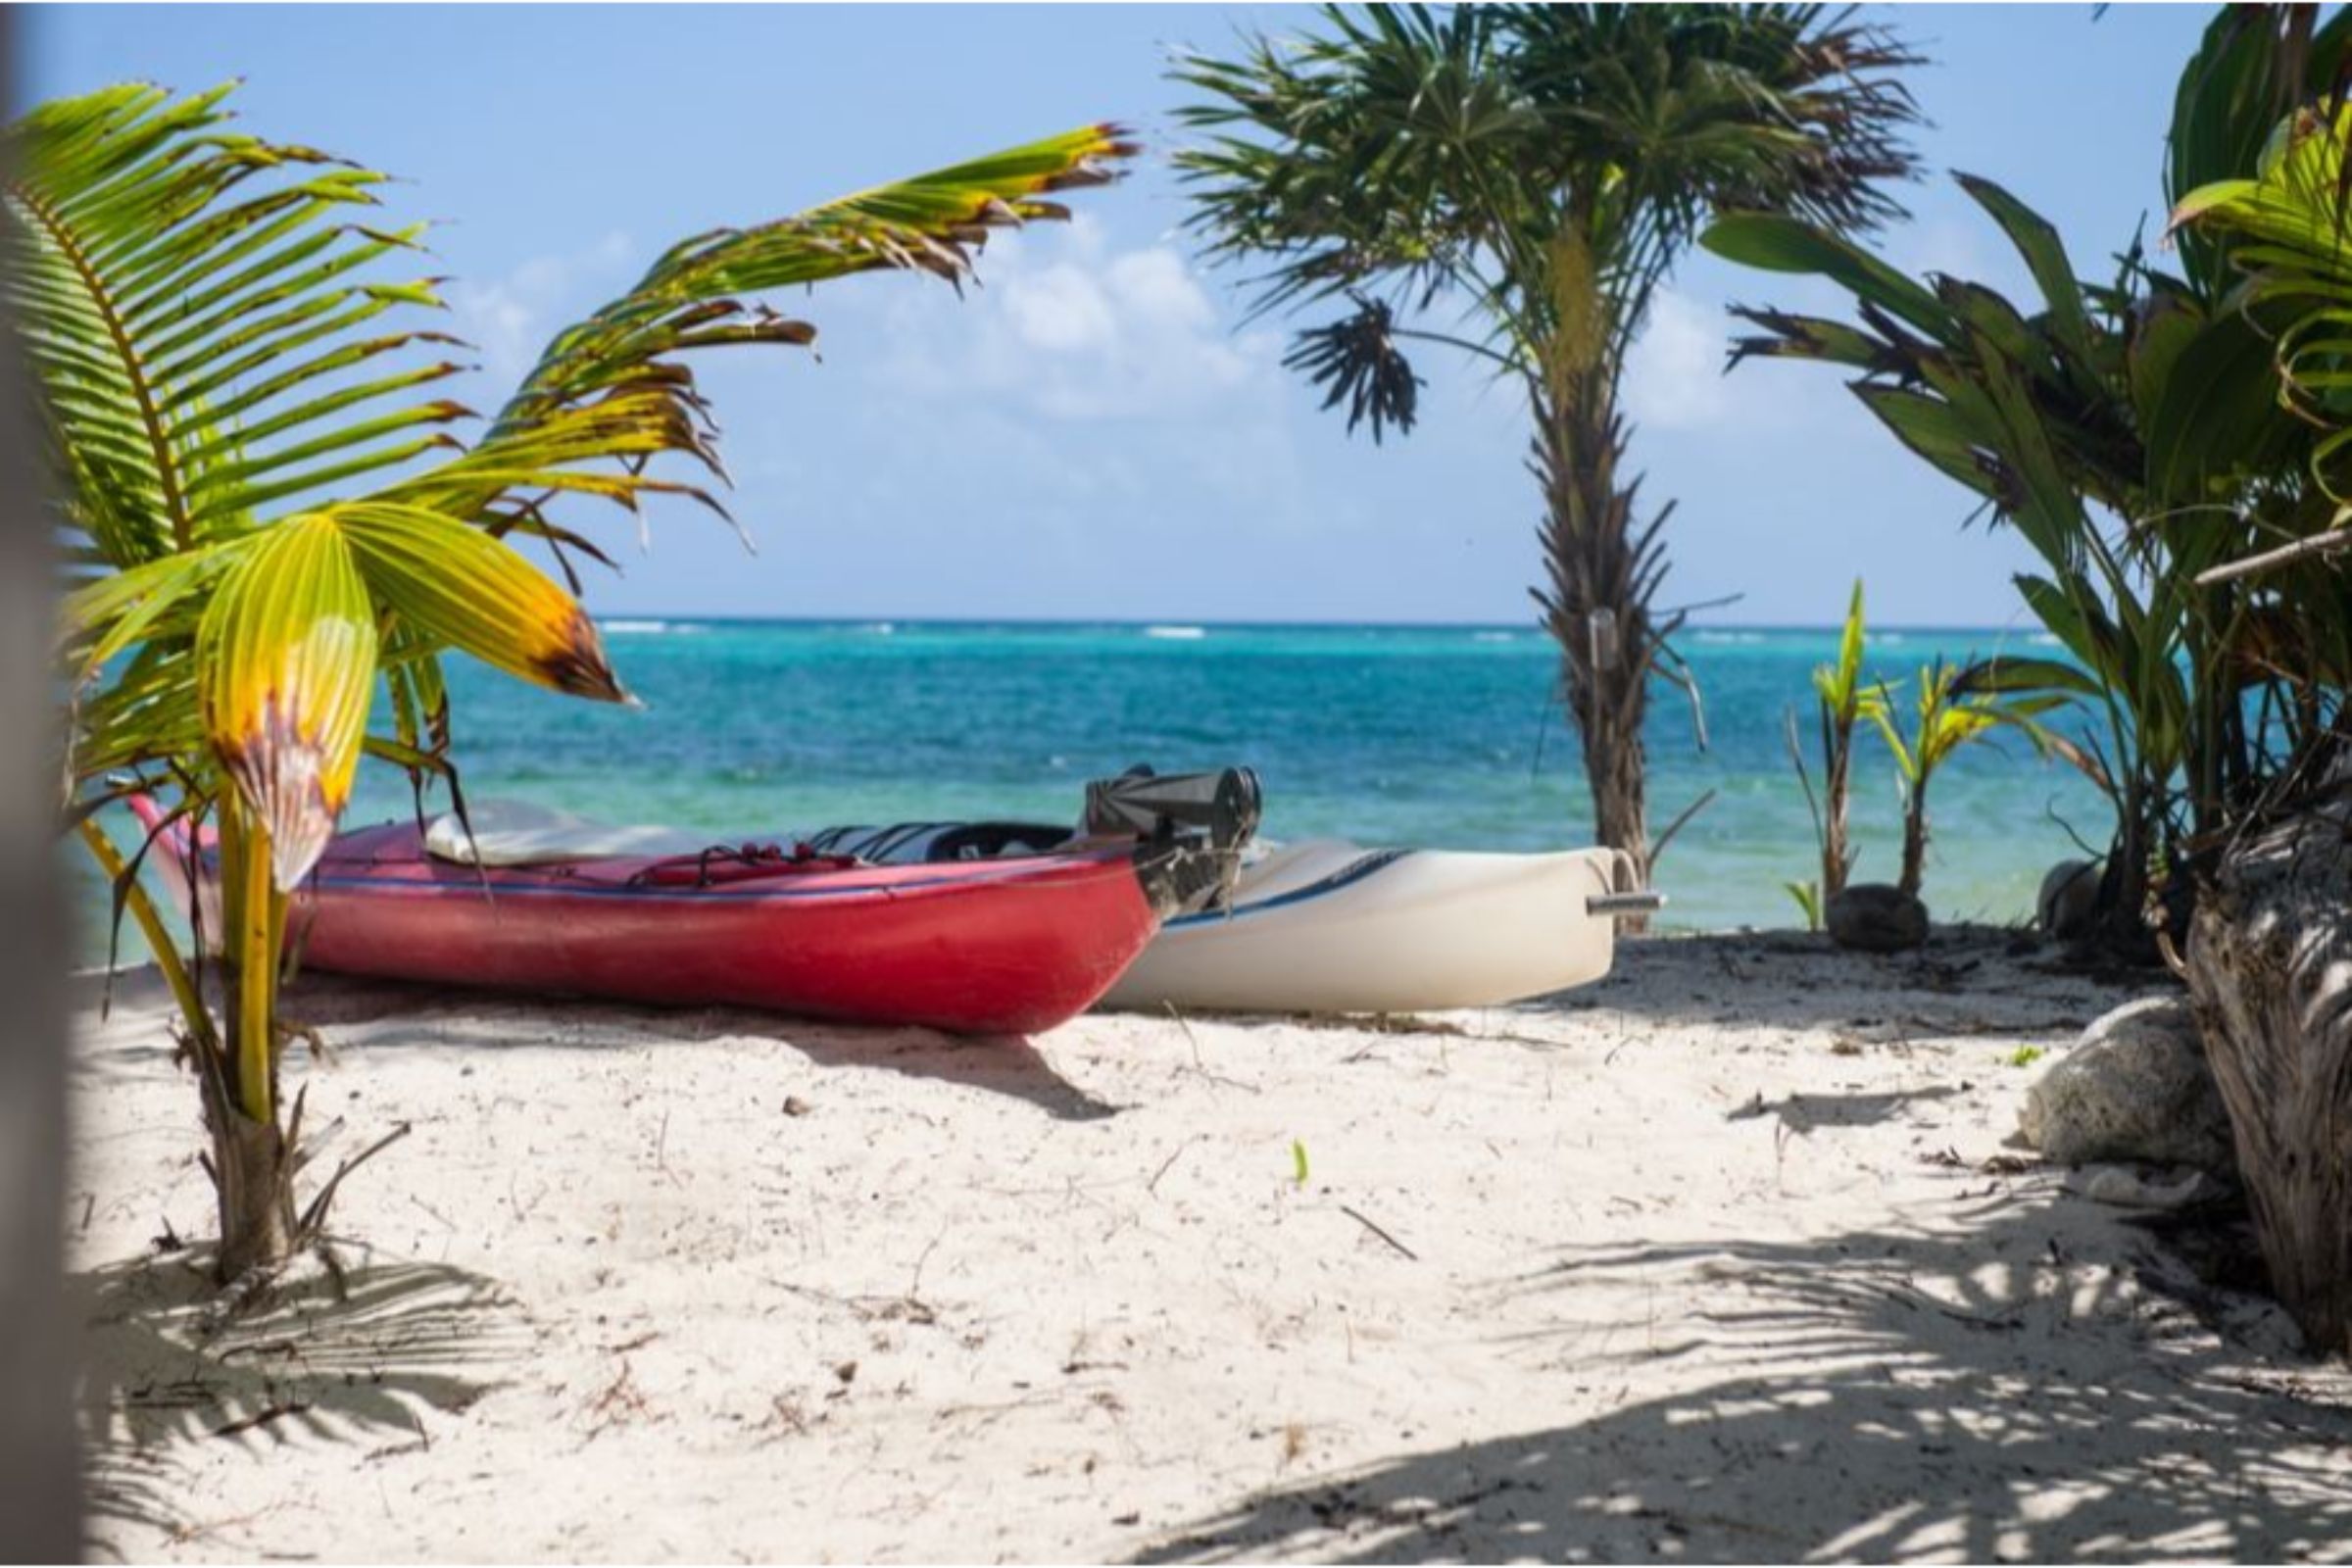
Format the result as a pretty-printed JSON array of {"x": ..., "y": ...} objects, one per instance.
[{"x": 1328, "y": 926}]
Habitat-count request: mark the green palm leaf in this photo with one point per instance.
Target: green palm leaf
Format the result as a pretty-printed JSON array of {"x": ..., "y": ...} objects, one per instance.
[
  {"x": 690, "y": 298},
  {"x": 286, "y": 660},
  {"x": 176, "y": 283},
  {"x": 457, "y": 587}
]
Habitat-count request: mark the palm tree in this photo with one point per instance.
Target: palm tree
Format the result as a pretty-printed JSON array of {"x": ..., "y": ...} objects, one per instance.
[
  {"x": 267, "y": 516},
  {"x": 1536, "y": 171}
]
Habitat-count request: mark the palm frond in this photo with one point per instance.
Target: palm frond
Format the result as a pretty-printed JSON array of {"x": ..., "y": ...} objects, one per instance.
[
  {"x": 693, "y": 295},
  {"x": 1356, "y": 361},
  {"x": 192, "y": 300},
  {"x": 286, "y": 660},
  {"x": 1417, "y": 155}
]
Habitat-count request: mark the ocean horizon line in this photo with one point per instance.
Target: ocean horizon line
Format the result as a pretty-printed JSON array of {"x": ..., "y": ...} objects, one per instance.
[{"x": 626, "y": 618}]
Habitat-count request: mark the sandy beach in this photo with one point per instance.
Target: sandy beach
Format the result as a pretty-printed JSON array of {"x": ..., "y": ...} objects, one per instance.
[{"x": 1727, "y": 1257}]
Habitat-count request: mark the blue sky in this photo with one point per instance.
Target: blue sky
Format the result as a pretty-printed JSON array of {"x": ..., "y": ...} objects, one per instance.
[{"x": 1096, "y": 434}]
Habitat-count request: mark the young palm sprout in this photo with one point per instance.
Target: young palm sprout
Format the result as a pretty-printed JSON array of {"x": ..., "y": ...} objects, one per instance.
[
  {"x": 1841, "y": 700},
  {"x": 1944, "y": 719}
]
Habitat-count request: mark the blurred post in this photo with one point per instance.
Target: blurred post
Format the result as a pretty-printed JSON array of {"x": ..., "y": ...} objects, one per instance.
[{"x": 38, "y": 1469}]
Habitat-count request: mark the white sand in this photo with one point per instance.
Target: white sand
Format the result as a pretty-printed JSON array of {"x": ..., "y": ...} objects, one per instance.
[{"x": 1704, "y": 1262}]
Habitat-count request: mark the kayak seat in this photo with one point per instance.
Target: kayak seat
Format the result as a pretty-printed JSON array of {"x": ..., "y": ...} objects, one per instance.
[
  {"x": 931, "y": 843},
  {"x": 519, "y": 833}
]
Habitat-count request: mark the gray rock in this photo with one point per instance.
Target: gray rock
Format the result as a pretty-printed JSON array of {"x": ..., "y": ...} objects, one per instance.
[
  {"x": 1875, "y": 918},
  {"x": 2064, "y": 909},
  {"x": 2135, "y": 1086},
  {"x": 2124, "y": 1187}
]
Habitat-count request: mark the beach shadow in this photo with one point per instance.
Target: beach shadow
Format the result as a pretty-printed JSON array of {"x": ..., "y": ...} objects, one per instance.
[
  {"x": 488, "y": 1021},
  {"x": 1967, "y": 980},
  {"x": 1880, "y": 1396},
  {"x": 131, "y": 989},
  {"x": 362, "y": 1357},
  {"x": 1801, "y": 1113},
  {"x": 1001, "y": 1065}
]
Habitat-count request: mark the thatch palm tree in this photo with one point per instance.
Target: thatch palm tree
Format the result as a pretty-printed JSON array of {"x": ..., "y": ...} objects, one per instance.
[
  {"x": 267, "y": 516},
  {"x": 1536, "y": 171}
]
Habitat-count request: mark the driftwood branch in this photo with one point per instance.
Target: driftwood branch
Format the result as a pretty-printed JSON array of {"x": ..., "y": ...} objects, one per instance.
[
  {"x": 1676, "y": 826},
  {"x": 2319, "y": 544},
  {"x": 1401, "y": 1248}
]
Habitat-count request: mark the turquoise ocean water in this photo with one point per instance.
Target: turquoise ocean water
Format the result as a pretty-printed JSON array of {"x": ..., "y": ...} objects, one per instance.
[{"x": 1443, "y": 736}]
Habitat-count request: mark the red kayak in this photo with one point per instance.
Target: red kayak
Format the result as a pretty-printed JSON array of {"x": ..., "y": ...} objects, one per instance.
[{"x": 994, "y": 945}]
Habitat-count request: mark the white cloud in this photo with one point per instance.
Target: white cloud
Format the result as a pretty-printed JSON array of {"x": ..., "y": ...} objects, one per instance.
[
  {"x": 1674, "y": 374},
  {"x": 1062, "y": 310},
  {"x": 1967, "y": 247},
  {"x": 1075, "y": 330},
  {"x": 511, "y": 318},
  {"x": 1676, "y": 381}
]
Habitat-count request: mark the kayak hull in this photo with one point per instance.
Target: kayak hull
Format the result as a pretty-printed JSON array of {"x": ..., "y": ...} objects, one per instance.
[
  {"x": 1328, "y": 927},
  {"x": 998, "y": 946}
]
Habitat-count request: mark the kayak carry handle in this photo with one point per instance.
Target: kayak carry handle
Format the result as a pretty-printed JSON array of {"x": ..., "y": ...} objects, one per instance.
[
  {"x": 1626, "y": 894},
  {"x": 1615, "y": 904}
]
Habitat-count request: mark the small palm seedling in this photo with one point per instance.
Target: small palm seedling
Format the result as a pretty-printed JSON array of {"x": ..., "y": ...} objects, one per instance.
[
  {"x": 1944, "y": 719},
  {"x": 1842, "y": 700}
]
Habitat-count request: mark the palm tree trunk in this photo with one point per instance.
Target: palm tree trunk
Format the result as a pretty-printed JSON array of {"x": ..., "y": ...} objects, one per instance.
[
  {"x": 251, "y": 1164},
  {"x": 253, "y": 1183},
  {"x": 1836, "y": 788},
  {"x": 1915, "y": 840},
  {"x": 2121, "y": 931},
  {"x": 2270, "y": 974},
  {"x": 1601, "y": 570}
]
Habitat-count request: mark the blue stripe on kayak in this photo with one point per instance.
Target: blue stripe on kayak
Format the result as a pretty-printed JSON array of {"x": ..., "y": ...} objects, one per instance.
[{"x": 1345, "y": 877}]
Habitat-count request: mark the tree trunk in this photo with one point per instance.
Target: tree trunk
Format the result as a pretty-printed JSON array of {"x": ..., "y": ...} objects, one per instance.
[
  {"x": 2121, "y": 928},
  {"x": 1915, "y": 841},
  {"x": 1602, "y": 571},
  {"x": 1836, "y": 787},
  {"x": 253, "y": 1183},
  {"x": 253, "y": 1173},
  {"x": 2270, "y": 973}
]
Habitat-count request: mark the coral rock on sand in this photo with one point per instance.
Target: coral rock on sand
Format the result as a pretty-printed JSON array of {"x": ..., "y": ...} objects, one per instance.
[
  {"x": 2124, "y": 1187},
  {"x": 2068, "y": 900},
  {"x": 1875, "y": 918},
  {"x": 2137, "y": 1087}
]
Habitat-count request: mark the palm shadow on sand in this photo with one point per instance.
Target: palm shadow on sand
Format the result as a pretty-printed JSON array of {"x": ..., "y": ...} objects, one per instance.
[
  {"x": 363, "y": 1357},
  {"x": 1961, "y": 1397}
]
